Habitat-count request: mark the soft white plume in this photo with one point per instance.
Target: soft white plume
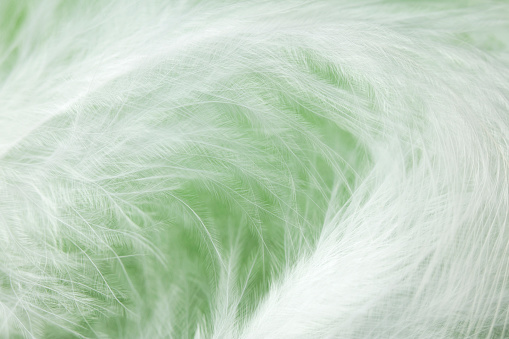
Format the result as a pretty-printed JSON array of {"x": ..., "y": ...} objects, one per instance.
[{"x": 245, "y": 169}]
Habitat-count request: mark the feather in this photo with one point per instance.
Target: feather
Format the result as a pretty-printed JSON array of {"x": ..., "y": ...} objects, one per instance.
[{"x": 242, "y": 169}]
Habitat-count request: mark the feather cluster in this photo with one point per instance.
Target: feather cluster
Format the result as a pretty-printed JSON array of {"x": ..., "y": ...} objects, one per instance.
[{"x": 254, "y": 169}]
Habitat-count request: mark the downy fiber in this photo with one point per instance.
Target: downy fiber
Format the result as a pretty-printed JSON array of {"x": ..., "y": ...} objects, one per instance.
[{"x": 254, "y": 169}]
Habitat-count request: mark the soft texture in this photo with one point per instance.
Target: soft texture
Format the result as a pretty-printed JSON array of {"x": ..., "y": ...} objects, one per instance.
[{"x": 236, "y": 169}]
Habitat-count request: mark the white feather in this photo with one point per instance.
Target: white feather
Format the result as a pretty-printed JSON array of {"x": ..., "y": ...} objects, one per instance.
[{"x": 241, "y": 169}]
